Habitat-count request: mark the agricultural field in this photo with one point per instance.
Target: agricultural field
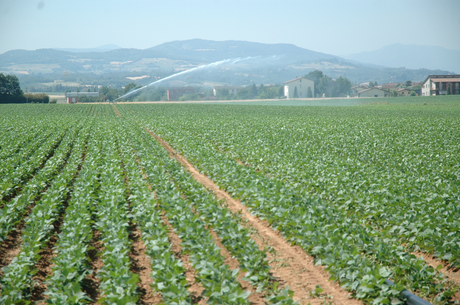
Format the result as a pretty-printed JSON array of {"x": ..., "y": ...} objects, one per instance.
[{"x": 230, "y": 203}]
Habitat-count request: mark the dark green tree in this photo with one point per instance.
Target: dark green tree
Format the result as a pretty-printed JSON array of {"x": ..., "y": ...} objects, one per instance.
[
  {"x": 223, "y": 94},
  {"x": 10, "y": 90},
  {"x": 309, "y": 93},
  {"x": 281, "y": 91},
  {"x": 408, "y": 83},
  {"x": 107, "y": 93},
  {"x": 315, "y": 76},
  {"x": 296, "y": 94},
  {"x": 254, "y": 91},
  {"x": 343, "y": 86},
  {"x": 448, "y": 90},
  {"x": 129, "y": 87}
]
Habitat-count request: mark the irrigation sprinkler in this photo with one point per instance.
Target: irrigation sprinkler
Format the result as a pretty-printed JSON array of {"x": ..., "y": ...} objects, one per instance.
[{"x": 411, "y": 299}]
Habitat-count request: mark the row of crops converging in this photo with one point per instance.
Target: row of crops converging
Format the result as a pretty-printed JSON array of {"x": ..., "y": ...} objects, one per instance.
[{"x": 361, "y": 189}]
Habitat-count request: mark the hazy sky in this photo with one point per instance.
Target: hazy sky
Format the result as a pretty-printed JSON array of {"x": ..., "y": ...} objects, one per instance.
[{"x": 336, "y": 27}]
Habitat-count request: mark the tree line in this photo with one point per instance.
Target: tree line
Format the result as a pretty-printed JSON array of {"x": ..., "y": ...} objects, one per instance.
[
  {"x": 325, "y": 85},
  {"x": 11, "y": 92}
]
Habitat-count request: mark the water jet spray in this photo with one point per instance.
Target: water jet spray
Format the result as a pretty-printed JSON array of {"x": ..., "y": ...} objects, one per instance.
[{"x": 211, "y": 65}]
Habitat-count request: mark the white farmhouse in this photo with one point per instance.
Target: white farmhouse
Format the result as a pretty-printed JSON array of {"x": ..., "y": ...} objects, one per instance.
[
  {"x": 298, "y": 88},
  {"x": 441, "y": 84}
]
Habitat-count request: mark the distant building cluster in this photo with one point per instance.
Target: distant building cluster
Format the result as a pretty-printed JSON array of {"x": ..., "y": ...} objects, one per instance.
[
  {"x": 231, "y": 89},
  {"x": 72, "y": 97}
]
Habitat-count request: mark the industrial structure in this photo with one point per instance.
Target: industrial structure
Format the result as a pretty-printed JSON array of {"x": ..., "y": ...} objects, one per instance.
[{"x": 441, "y": 85}]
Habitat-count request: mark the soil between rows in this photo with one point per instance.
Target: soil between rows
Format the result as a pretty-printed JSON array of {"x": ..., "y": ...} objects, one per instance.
[
  {"x": 194, "y": 288},
  {"x": 298, "y": 271}
]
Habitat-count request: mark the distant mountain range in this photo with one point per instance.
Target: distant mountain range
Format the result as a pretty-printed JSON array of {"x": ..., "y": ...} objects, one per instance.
[
  {"x": 171, "y": 55},
  {"x": 269, "y": 64},
  {"x": 104, "y": 48},
  {"x": 411, "y": 57}
]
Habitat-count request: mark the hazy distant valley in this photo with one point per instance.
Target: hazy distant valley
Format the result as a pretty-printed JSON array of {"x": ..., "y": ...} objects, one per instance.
[{"x": 265, "y": 63}]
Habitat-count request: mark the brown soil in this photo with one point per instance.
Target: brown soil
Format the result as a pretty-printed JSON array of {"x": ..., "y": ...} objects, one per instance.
[
  {"x": 297, "y": 269},
  {"x": 194, "y": 288},
  {"x": 255, "y": 297},
  {"x": 140, "y": 264},
  {"x": 44, "y": 265},
  {"x": 11, "y": 247},
  {"x": 91, "y": 282}
]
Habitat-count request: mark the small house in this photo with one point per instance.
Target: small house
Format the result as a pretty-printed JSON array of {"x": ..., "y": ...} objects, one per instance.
[{"x": 372, "y": 92}]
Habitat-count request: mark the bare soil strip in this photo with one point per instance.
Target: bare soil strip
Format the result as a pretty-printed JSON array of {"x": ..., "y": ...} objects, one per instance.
[
  {"x": 298, "y": 272},
  {"x": 140, "y": 264},
  {"x": 255, "y": 298},
  {"x": 44, "y": 264},
  {"x": 91, "y": 282},
  {"x": 194, "y": 288},
  {"x": 11, "y": 246},
  {"x": 116, "y": 111}
]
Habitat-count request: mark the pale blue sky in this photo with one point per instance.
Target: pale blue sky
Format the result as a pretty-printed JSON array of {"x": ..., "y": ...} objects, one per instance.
[{"x": 336, "y": 27}]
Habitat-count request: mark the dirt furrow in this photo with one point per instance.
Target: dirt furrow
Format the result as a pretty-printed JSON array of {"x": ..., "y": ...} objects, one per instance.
[
  {"x": 116, "y": 111},
  {"x": 44, "y": 264},
  {"x": 91, "y": 282},
  {"x": 11, "y": 246},
  {"x": 298, "y": 272},
  {"x": 255, "y": 298},
  {"x": 194, "y": 288},
  {"x": 140, "y": 264}
]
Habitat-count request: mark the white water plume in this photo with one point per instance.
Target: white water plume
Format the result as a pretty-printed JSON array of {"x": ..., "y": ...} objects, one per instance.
[{"x": 211, "y": 65}]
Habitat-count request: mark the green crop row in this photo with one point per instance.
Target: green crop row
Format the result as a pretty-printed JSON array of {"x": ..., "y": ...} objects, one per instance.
[
  {"x": 17, "y": 282},
  {"x": 219, "y": 282},
  {"x": 118, "y": 285},
  {"x": 70, "y": 265},
  {"x": 168, "y": 272}
]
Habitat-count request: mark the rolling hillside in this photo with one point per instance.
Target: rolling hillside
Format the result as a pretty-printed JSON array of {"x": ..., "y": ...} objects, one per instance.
[
  {"x": 412, "y": 57},
  {"x": 269, "y": 64}
]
